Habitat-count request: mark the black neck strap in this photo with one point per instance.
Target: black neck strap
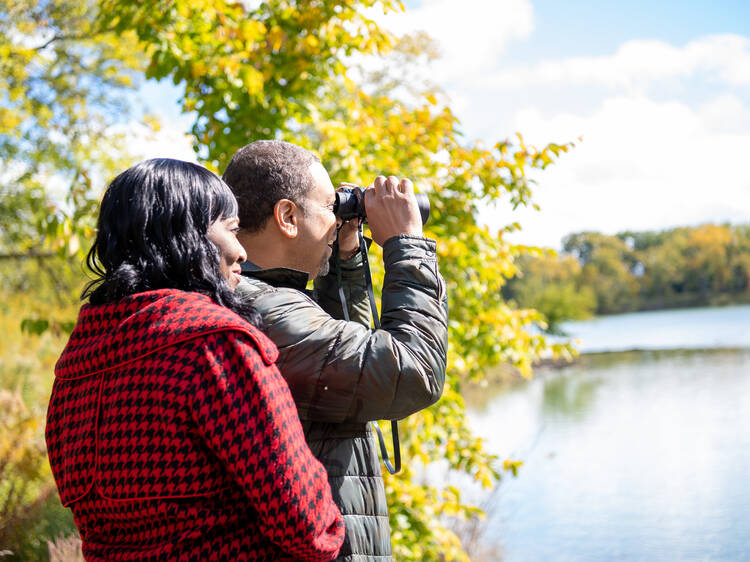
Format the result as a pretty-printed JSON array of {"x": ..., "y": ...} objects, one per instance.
[{"x": 376, "y": 322}]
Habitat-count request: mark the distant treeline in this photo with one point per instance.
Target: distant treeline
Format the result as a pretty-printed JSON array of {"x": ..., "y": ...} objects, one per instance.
[{"x": 601, "y": 274}]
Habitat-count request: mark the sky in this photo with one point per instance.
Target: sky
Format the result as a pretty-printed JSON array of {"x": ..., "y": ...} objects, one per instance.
[{"x": 658, "y": 93}]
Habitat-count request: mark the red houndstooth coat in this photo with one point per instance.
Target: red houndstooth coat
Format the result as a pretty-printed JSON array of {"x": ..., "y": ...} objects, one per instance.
[{"x": 171, "y": 435}]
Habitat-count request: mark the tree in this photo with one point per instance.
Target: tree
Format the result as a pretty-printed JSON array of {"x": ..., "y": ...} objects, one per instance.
[
  {"x": 249, "y": 70},
  {"x": 61, "y": 84},
  {"x": 739, "y": 260},
  {"x": 291, "y": 71},
  {"x": 607, "y": 266},
  {"x": 706, "y": 254},
  {"x": 552, "y": 285},
  {"x": 684, "y": 266}
]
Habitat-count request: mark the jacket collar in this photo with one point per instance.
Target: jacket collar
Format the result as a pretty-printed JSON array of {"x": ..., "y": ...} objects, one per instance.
[{"x": 276, "y": 276}]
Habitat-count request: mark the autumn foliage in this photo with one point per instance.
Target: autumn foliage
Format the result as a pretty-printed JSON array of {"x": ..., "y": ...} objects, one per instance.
[{"x": 320, "y": 74}]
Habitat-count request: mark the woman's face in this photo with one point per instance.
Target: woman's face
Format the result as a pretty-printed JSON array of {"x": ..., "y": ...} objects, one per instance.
[{"x": 223, "y": 233}]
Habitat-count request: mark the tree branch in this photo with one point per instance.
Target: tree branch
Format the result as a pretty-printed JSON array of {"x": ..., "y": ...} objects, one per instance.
[
  {"x": 27, "y": 255},
  {"x": 64, "y": 37}
]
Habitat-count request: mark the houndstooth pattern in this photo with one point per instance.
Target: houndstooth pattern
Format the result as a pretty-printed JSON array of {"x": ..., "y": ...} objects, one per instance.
[{"x": 172, "y": 435}]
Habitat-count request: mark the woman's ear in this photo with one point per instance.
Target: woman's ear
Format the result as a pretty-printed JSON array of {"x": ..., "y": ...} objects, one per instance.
[{"x": 286, "y": 214}]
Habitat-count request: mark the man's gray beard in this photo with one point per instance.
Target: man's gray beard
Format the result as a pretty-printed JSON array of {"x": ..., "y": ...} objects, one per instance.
[{"x": 324, "y": 268}]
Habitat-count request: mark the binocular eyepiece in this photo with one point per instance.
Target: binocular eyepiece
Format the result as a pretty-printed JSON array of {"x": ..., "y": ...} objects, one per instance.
[{"x": 350, "y": 204}]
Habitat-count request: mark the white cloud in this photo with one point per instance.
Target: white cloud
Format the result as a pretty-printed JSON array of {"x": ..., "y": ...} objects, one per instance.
[
  {"x": 727, "y": 113},
  {"x": 471, "y": 33},
  {"x": 643, "y": 165},
  {"x": 636, "y": 64}
]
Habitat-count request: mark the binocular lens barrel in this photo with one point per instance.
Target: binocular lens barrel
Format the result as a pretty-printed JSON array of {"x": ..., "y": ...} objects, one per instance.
[{"x": 350, "y": 204}]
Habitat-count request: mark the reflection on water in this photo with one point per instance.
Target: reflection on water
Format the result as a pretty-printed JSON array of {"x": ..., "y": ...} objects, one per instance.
[
  {"x": 563, "y": 396},
  {"x": 632, "y": 456}
]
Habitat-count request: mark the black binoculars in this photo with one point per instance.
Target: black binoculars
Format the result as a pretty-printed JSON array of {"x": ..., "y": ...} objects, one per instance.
[{"x": 350, "y": 204}]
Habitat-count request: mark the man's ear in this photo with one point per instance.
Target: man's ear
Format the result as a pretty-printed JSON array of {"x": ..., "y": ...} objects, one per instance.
[{"x": 286, "y": 214}]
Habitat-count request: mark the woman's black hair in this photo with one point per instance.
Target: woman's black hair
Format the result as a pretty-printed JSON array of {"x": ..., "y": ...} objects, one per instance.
[{"x": 152, "y": 234}]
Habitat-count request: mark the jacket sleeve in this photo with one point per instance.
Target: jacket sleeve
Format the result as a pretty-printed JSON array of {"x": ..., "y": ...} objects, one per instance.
[
  {"x": 245, "y": 413},
  {"x": 353, "y": 283},
  {"x": 343, "y": 371}
]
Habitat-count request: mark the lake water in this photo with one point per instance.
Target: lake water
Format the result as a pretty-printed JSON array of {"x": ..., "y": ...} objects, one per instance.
[
  {"x": 627, "y": 456},
  {"x": 692, "y": 328}
]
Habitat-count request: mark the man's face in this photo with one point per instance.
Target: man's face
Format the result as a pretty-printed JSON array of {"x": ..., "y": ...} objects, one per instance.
[{"x": 317, "y": 225}]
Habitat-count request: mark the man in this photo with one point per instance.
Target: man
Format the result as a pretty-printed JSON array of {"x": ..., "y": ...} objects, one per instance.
[{"x": 341, "y": 374}]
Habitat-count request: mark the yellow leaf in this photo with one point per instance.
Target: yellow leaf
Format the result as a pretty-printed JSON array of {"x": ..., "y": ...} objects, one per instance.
[
  {"x": 252, "y": 79},
  {"x": 275, "y": 38}
]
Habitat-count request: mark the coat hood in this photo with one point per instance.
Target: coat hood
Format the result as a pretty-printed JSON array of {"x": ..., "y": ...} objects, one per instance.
[{"x": 109, "y": 335}]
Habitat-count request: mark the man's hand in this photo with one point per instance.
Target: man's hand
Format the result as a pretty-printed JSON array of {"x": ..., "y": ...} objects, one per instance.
[{"x": 392, "y": 209}]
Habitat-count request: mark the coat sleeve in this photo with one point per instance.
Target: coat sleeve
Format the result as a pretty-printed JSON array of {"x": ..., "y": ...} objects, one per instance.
[
  {"x": 245, "y": 413},
  {"x": 344, "y": 371}
]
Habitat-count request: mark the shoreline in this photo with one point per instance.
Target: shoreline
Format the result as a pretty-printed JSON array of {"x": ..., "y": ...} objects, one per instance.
[{"x": 583, "y": 355}]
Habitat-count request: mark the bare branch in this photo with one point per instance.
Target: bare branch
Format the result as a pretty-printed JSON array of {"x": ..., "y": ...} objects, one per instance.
[{"x": 63, "y": 37}]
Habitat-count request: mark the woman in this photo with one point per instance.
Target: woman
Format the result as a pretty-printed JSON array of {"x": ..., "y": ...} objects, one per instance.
[{"x": 171, "y": 433}]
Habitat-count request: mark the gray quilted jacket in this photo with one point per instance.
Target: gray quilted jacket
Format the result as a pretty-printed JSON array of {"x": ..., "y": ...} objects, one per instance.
[{"x": 345, "y": 374}]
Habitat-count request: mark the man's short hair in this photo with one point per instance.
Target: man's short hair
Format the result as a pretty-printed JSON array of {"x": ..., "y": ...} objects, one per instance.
[{"x": 265, "y": 171}]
